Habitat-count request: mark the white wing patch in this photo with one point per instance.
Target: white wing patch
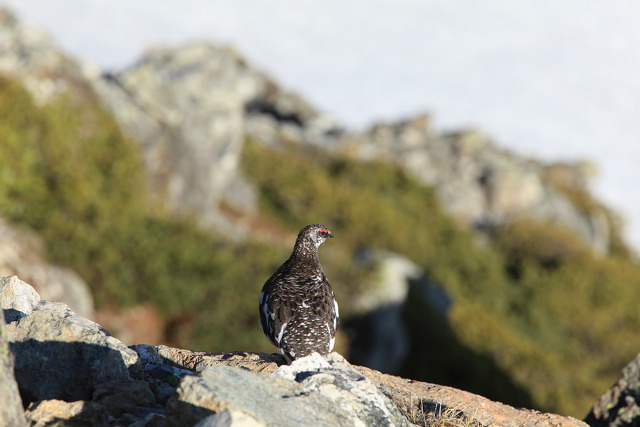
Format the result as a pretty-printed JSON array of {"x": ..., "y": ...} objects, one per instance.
[{"x": 281, "y": 333}]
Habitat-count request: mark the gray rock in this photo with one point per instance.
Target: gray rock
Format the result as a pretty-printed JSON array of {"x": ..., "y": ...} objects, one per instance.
[
  {"x": 17, "y": 298},
  {"x": 60, "y": 355},
  {"x": 381, "y": 340},
  {"x": 265, "y": 397},
  {"x": 479, "y": 183},
  {"x": 334, "y": 378},
  {"x": 190, "y": 109},
  {"x": 620, "y": 405},
  {"x": 230, "y": 418},
  {"x": 185, "y": 108},
  {"x": 30, "y": 55},
  {"x": 11, "y": 408}
]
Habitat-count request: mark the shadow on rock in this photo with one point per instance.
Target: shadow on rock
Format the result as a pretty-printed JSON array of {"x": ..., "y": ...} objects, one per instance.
[{"x": 66, "y": 371}]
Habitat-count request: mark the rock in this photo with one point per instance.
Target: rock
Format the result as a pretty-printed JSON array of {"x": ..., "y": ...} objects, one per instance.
[
  {"x": 30, "y": 55},
  {"x": 11, "y": 408},
  {"x": 479, "y": 183},
  {"x": 266, "y": 398},
  {"x": 22, "y": 254},
  {"x": 120, "y": 397},
  {"x": 17, "y": 299},
  {"x": 60, "y": 355},
  {"x": 194, "y": 360},
  {"x": 230, "y": 418},
  {"x": 431, "y": 404},
  {"x": 60, "y": 413},
  {"x": 335, "y": 378},
  {"x": 381, "y": 340},
  {"x": 188, "y": 108},
  {"x": 190, "y": 138},
  {"x": 619, "y": 406}
]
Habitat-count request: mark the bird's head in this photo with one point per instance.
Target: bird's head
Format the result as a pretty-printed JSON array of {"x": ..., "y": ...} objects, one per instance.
[{"x": 313, "y": 235}]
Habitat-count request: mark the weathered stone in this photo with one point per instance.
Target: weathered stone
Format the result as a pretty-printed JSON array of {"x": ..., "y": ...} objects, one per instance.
[
  {"x": 265, "y": 397},
  {"x": 230, "y": 418},
  {"x": 11, "y": 408},
  {"x": 478, "y": 182},
  {"x": 30, "y": 55},
  {"x": 428, "y": 404},
  {"x": 620, "y": 405},
  {"x": 336, "y": 379},
  {"x": 194, "y": 360},
  {"x": 381, "y": 340},
  {"x": 62, "y": 414},
  {"x": 60, "y": 355},
  {"x": 17, "y": 298},
  {"x": 184, "y": 106}
]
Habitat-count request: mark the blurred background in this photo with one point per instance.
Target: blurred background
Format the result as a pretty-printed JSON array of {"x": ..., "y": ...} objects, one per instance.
[{"x": 476, "y": 162}]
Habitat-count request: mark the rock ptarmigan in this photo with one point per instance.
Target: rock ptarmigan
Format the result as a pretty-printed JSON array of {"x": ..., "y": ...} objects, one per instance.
[{"x": 298, "y": 310}]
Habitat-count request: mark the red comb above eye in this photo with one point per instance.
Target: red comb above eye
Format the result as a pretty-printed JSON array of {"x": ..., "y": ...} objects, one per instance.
[{"x": 324, "y": 230}]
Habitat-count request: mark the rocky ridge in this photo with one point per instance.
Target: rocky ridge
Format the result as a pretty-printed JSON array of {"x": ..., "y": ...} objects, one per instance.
[
  {"x": 191, "y": 108},
  {"x": 69, "y": 370}
]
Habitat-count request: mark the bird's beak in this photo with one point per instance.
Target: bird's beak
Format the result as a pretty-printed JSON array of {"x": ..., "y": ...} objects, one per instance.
[{"x": 330, "y": 235}]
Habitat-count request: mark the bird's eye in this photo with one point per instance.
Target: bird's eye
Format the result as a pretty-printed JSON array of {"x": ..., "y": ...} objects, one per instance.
[{"x": 323, "y": 232}]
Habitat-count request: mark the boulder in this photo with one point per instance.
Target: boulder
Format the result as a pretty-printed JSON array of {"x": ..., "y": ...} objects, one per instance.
[
  {"x": 182, "y": 106},
  {"x": 346, "y": 387},
  {"x": 264, "y": 397},
  {"x": 17, "y": 298},
  {"x": 189, "y": 107},
  {"x": 60, "y": 355},
  {"x": 620, "y": 405},
  {"x": 379, "y": 326}
]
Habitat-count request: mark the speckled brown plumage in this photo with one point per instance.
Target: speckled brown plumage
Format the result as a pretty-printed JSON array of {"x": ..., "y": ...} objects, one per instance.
[{"x": 298, "y": 310}]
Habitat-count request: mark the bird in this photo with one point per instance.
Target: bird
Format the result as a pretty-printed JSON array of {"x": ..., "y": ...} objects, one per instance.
[{"x": 298, "y": 309}]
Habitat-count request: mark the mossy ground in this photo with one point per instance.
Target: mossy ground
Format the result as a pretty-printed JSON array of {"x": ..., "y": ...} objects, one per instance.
[{"x": 536, "y": 317}]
